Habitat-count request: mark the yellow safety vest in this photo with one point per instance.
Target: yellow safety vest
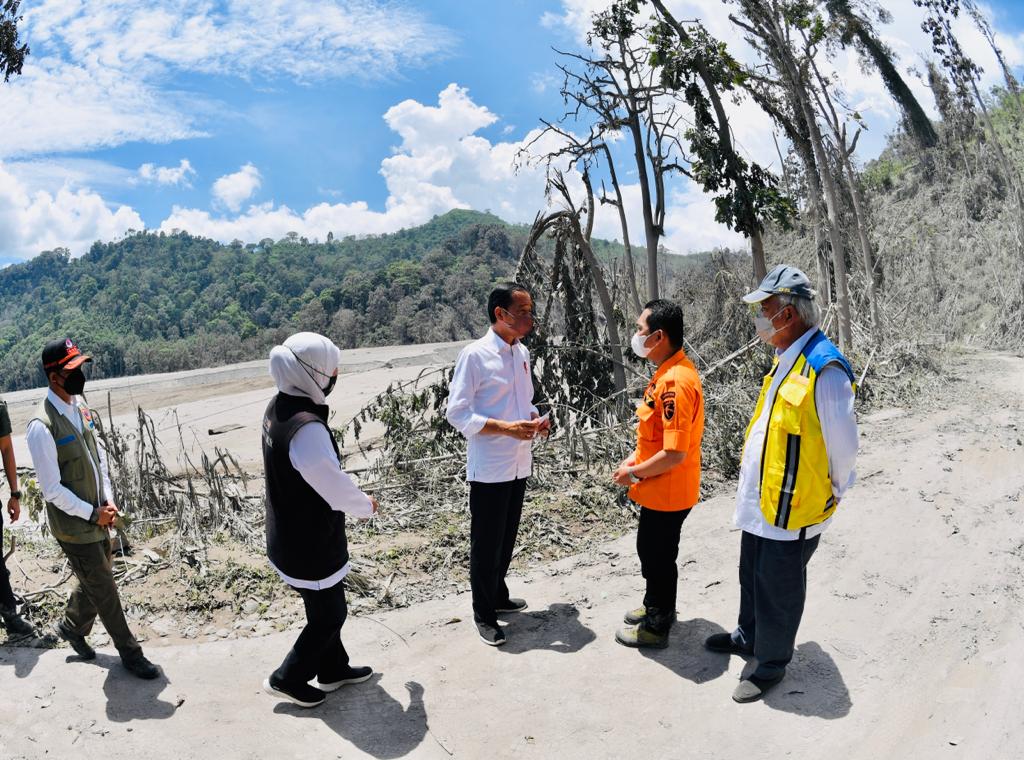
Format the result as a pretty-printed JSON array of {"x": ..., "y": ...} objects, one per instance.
[{"x": 796, "y": 488}]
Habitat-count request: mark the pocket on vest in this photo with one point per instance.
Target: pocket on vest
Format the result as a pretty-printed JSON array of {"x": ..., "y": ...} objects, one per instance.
[{"x": 72, "y": 469}]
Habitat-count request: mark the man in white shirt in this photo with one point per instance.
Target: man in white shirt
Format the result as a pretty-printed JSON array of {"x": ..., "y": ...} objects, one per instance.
[
  {"x": 308, "y": 496},
  {"x": 490, "y": 402},
  {"x": 71, "y": 466},
  {"x": 797, "y": 465}
]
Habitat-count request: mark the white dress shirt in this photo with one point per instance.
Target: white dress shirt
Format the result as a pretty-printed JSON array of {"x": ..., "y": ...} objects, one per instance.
[
  {"x": 43, "y": 449},
  {"x": 833, "y": 398},
  {"x": 312, "y": 455},
  {"x": 492, "y": 380}
]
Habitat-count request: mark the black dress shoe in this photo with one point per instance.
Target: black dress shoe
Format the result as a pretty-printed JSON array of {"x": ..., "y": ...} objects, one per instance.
[
  {"x": 723, "y": 642},
  {"x": 141, "y": 667},
  {"x": 78, "y": 643}
]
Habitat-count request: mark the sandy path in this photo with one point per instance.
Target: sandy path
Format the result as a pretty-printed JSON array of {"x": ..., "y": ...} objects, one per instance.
[{"x": 910, "y": 646}]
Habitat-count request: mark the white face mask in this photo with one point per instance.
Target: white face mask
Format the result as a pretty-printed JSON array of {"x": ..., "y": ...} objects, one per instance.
[
  {"x": 764, "y": 327},
  {"x": 637, "y": 344}
]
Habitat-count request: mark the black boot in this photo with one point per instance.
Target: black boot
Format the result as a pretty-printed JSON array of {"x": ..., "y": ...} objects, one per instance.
[{"x": 16, "y": 625}]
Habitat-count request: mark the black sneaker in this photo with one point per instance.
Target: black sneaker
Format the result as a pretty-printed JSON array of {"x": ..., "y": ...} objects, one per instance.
[
  {"x": 512, "y": 605},
  {"x": 303, "y": 694},
  {"x": 723, "y": 643},
  {"x": 15, "y": 624},
  {"x": 141, "y": 667},
  {"x": 348, "y": 675},
  {"x": 78, "y": 643},
  {"x": 491, "y": 635}
]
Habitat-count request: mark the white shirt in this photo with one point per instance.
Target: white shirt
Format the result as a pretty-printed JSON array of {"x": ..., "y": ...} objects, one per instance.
[
  {"x": 492, "y": 380},
  {"x": 43, "y": 449},
  {"x": 312, "y": 455},
  {"x": 833, "y": 398}
]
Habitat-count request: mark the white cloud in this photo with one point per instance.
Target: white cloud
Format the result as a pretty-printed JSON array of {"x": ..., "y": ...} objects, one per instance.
[
  {"x": 232, "y": 190},
  {"x": 33, "y": 221},
  {"x": 443, "y": 164},
  {"x": 168, "y": 175},
  {"x": 105, "y": 72}
]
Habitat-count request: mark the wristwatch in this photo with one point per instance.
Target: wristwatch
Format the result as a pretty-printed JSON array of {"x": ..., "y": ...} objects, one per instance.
[
  {"x": 15, "y": 494},
  {"x": 633, "y": 477}
]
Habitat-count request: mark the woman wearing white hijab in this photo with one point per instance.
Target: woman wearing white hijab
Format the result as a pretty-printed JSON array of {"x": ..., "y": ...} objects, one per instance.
[{"x": 308, "y": 495}]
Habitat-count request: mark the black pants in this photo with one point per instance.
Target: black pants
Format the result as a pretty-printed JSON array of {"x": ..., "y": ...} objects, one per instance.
[
  {"x": 318, "y": 650},
  {"x": 773, "y": 587},
  {"x": 95, "y": 594},
  {"x": 6, "y": 592},
  {"x": 657, "y": 545},
  {"x": 495, "y": 510}
]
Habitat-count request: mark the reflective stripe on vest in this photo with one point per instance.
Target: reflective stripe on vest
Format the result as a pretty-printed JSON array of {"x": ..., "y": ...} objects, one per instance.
[{"x": 795, "y": 485}]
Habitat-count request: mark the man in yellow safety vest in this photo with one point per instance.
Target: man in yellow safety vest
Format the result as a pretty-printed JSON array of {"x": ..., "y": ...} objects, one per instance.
[{"x": 797, "y": 464}]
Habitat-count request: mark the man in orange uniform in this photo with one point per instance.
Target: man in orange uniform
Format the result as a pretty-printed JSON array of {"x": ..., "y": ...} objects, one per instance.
[{"x": 663, "y": 473}]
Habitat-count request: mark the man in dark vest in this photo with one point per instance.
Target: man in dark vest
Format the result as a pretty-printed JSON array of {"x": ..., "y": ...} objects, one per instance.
[
  {"x": 15, "y": 624},
  {"x": 308, "y": 495},
  {"x": 71, "y": 467}
]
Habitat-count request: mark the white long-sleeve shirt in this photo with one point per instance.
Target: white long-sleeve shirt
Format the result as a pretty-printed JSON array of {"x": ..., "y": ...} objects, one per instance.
[
  {"x": 43, "y": 449},
  {"x": 833, "y": 398},
  {"x": 492, "y": 380},
  {"x": 312, "y": 455}
]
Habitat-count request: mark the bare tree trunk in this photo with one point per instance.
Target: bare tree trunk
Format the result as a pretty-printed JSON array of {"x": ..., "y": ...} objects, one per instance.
[{"x": 630, "y": 272}]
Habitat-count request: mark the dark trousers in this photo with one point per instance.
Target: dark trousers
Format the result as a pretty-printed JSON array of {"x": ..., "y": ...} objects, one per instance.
[
  {"x": 6, "y": 592},
  {"x": 495, "y": 510},
  {"x": 95, "y": 594},
  {"x": 318, "y": 650},
  {"x": 773, "y": 587},
  {"x": 657, "y": 545}
]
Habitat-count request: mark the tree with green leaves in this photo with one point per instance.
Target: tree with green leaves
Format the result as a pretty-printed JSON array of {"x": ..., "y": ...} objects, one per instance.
[{"x": 12, "y": 50}]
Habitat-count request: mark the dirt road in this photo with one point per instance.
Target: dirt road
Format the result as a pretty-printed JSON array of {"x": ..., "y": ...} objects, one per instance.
[{"x": 910, "y": 646}]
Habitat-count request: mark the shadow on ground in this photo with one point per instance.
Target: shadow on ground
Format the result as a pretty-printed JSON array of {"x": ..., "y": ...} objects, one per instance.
[
  {"x": 370, "y": 718},
  {"x": 813, "y": 685},
  {"x": 686, "y": 656},
  {"x": 130, "y": 698},
  {"x": 22, "y": 654},
  {"x": 556, "y": 629}
]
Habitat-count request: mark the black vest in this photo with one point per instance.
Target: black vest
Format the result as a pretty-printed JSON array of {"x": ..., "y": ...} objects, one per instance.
[{"x": 305, "y": 537}]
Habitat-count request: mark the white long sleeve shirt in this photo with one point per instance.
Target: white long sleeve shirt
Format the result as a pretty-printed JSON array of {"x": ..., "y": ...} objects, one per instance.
[
  {"x": 492, "y": 380},
  {"x": 43, "y": 449},
  {"x": 312, "y": 455},
  {"x": 833, "y": 398}
]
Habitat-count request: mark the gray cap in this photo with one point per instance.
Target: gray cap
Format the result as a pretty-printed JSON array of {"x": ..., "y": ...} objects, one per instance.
[{"x": 783, "y": 280}]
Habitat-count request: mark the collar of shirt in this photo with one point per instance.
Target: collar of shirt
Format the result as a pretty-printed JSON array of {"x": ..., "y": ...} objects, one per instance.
[
  {"x": 788, "y": 357},
  {"x": 68, "y": 410},
  {"x": 679, "y": 357},
  {"x": 498, "y": 343}
]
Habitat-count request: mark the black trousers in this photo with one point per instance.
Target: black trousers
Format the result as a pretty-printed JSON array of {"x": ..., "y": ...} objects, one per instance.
[
  {"x": 773, "y": 588},
  {"x": 495, "y": 510},
  {"x": 657, "y": 545},
  {"x": 318, "y": 650},
  {"x": 95, "y": 594},
  {"x": 6, "y": 592}
]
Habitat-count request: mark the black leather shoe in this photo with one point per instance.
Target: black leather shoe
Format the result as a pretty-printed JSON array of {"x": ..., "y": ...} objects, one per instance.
[
  {"x": 722, "y": 642},
  {"x": 141, "y": 667},
  {"x": 78, "y": 643}
]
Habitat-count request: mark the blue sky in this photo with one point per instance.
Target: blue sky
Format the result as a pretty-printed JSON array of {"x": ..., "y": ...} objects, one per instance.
[{"x": 249, "y": 119}]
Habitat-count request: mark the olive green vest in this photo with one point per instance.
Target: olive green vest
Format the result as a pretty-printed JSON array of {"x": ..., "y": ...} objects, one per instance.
[{"x": 74, "y": 450}]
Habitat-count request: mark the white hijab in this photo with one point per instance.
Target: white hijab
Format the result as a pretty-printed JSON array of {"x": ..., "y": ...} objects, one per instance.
[{"x": 304, "y": 365}]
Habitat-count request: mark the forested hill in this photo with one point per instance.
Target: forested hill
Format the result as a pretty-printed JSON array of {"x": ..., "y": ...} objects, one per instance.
[{"x": 156, "y": 303}]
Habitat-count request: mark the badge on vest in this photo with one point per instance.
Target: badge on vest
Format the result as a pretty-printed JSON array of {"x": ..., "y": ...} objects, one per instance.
[{"x": 87, "y": 417}]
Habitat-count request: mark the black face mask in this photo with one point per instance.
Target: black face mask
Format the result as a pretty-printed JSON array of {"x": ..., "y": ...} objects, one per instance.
[
  {"x": 74, "y": 382},
  {"x": 330, "y": 385}
]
